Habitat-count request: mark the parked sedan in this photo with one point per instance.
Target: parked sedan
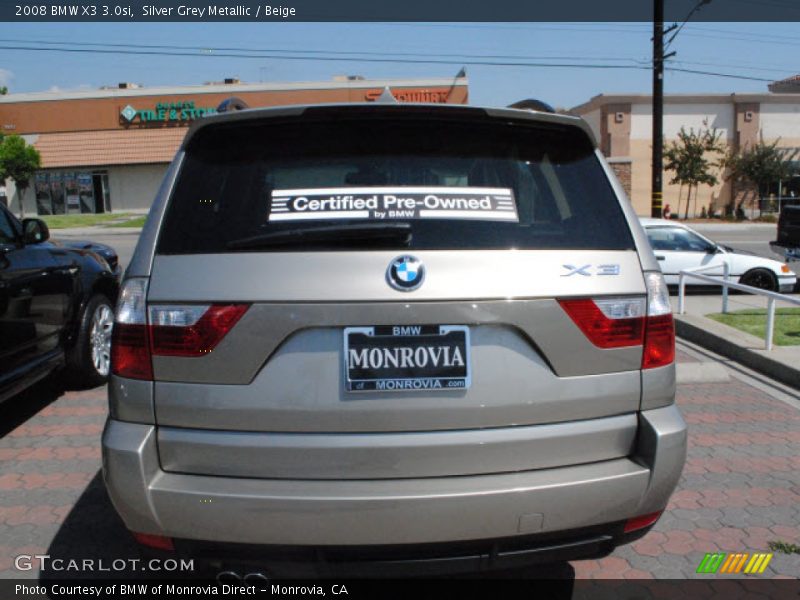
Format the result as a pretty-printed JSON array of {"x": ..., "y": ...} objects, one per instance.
[
  {"x": 56, "y": 306},
  {"x": 678, "y": 247}
]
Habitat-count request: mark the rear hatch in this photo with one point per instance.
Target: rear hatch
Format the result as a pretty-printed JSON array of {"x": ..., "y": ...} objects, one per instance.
[{"x": 393, "y": 292}]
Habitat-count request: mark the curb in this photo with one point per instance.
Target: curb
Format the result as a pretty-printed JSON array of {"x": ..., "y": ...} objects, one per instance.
[
  {"x": 90, "y": 231},
  {"x": 732, "y": 226},
  {"x": 701, "y": 372},
  {"x": 702, "y": 332}
]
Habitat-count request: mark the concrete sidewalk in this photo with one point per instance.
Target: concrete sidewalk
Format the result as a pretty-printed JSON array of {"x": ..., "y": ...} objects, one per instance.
[
  {"x": 782, "y": 363},
  {"x": 739, "y": 227}
]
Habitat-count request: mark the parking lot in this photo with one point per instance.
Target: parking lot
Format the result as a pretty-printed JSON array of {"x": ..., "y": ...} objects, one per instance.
[{"x": 740, "y": 489}]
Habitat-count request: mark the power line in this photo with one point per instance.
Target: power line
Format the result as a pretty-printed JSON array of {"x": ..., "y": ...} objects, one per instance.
[
  {"x": 762, "y": 36},
  {"x": 492, "y": 63},
  {"x": 728, "y": 75},
  {"x": 729, "y": 65},
  {"x": 323, "y": 58},
  {"x": 738, "y": 38},
  {"x": 639, "y": 29},
  {"x": 209, "y": 50},
  {"x": 629, "y": 28}
]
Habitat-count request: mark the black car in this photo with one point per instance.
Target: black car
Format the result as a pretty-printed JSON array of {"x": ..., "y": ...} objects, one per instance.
[{"x": 56, "y": 306}]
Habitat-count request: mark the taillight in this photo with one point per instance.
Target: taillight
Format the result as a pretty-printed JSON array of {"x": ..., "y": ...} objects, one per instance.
[
  {"x": 659, "y": 335},
  {"x": 608, "y": 322},
  {"x": 141, "y": 332},
  {"x": 190, "y": 330},
  {"x": 130, "y": 349},
  {"x": 159, "y": 542},
  {"x": 623, "y": 322},
  {"x": 642, "y": 521}
]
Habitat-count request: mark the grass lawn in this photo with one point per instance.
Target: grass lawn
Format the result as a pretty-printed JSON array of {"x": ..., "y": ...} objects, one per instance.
[
  {"x": 754, "y": 322},
  {"x": 135, "y": 222},
  {"x": 82, "y": 220}
]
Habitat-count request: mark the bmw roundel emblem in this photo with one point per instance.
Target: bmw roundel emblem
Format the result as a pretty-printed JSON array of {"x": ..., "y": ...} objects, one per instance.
[{"x": 405, "y": 273}]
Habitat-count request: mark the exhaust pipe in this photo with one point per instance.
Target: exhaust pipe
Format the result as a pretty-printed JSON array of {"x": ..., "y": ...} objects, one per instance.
[
  {"x": 228, "y": 577},
  {"x": 233, "y": 578}
]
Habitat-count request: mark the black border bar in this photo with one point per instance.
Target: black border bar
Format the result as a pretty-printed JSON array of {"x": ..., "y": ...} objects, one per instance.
[{"x": 131, "y": 11}]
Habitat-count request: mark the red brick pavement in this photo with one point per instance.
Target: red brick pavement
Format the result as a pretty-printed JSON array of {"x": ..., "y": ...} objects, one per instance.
[{"x": 739, "y": 491}]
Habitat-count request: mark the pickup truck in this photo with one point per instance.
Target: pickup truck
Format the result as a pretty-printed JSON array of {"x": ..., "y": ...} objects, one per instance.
[{"x": 788, "y": 242}]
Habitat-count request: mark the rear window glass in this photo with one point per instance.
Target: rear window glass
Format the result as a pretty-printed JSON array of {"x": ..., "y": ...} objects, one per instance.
[{"x": 451, "y": 183}]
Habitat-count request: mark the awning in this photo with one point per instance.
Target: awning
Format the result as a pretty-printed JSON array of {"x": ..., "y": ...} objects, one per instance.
[{"x": 112, "y": 147}]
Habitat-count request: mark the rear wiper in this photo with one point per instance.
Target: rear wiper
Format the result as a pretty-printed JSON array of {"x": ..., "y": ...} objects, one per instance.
[{"x": 362, "y": 233}]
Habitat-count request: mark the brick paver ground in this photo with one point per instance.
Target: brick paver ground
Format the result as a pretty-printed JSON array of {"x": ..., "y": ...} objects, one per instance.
[{"x": 740, "y": 488}]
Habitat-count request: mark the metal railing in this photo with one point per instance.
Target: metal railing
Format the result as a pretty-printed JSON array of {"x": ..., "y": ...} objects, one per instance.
[
  {"x": 772, "y": 297},
  {"x": 726, "y": 271}
]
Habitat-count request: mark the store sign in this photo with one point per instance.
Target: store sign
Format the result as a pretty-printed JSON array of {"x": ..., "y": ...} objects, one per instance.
[
  {"x": 411, "y": 95},
  {"x": 166, "y": 112}
]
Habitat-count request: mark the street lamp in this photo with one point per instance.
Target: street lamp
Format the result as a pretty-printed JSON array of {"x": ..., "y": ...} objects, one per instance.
[{"x": 656, "y": 199}]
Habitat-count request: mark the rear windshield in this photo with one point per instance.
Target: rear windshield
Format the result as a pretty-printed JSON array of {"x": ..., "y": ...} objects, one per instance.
[{"x": 447, "y": 183}]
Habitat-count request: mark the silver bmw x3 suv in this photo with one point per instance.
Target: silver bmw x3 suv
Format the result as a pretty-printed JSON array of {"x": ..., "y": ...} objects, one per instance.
[{"x": 373, "y": 338}]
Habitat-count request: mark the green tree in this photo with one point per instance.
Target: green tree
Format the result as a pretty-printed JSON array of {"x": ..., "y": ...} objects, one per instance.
[
  {"x": 691, "y": 159},
  {"x": 3, "y": 90},
  {"x": 760, "y": 165},
  {"x": 18, "y": 161}
]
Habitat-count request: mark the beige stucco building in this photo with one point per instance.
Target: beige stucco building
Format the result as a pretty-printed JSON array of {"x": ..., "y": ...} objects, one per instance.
[{"x": 623, "y": 126}]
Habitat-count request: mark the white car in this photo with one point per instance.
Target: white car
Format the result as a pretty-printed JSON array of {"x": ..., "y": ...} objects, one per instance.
[{"x": 678, "y": 247}]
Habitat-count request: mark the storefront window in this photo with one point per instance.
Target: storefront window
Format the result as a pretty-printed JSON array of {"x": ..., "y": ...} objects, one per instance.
[
  {"x": 57, "y": 193},
  {"x": 72, "y": 200},
  {"x": 85, "y": 192},
  {"x": 44, "y": 205},
  {"x": 70, "y": 192}
]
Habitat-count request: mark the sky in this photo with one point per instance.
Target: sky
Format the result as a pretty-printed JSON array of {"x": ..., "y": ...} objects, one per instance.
[{"x": 763, "y": 51}]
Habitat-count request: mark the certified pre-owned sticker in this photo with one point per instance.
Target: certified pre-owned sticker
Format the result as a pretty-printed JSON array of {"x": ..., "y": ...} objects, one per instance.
[{"x": 378, "y": 203}]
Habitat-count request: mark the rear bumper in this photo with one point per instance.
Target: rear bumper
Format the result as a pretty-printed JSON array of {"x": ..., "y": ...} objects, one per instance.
[
  {"x": 434, "y": 510},
  {"x": 396, "y": 561},
  {"x": 789, "y": 252},
  {"x": 787, "y": 282}
]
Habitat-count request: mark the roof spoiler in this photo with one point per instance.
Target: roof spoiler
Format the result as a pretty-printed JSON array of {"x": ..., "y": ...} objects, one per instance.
[
  {"x": 532, "y": 104},
  {"x": 231, "y": 104}
]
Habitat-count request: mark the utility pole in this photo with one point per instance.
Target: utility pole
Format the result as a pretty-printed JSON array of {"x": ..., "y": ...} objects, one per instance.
[
  {"x": 658, "y": 108},
  {"x": 656, "y": 199}
]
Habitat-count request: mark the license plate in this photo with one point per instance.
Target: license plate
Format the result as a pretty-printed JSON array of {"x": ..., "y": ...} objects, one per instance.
[{"x": 406, "y": 358}]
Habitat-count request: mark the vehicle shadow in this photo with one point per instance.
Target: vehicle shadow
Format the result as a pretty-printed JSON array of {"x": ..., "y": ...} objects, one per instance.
[
  {"x": 92, "y": 531},
  {"x": 18, "y": 409},
  {"x": 556, "y": 580}
]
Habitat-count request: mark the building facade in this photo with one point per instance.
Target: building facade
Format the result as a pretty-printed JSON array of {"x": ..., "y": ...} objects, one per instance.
[
  {"x": 107, "y": 150},
  {"x": 623, "y": 125}
]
